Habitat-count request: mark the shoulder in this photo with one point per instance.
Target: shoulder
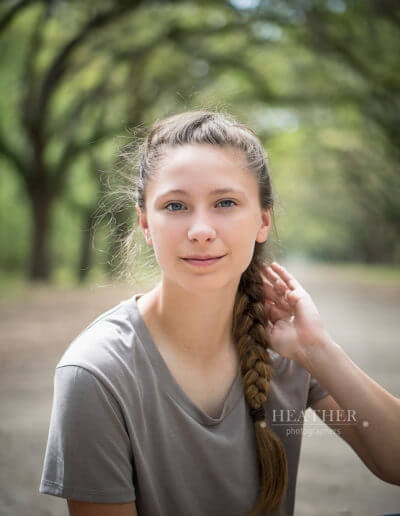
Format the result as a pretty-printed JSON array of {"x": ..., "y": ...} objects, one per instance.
[{"x": 105, "y": 347}]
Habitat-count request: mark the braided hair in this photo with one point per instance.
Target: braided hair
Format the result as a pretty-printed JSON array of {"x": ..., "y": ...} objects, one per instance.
[
  {"x": 249, "y": 317},
  {"x": 255, "y": 363}
]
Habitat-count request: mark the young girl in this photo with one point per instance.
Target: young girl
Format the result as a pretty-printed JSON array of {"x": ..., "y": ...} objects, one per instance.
[{"x": 187, "y": 399}]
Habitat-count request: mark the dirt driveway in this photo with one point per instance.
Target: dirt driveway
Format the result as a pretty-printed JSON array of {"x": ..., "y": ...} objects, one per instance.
[{"x": 364, "y": 319}]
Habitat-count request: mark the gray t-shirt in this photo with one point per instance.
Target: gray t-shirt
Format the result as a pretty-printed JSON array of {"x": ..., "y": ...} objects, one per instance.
[{"x": 122, "y": 429}]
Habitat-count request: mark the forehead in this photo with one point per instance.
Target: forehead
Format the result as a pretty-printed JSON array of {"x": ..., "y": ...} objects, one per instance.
[
  {"x": 202, "y": 167},
  {"x": 191, "y": 155}
]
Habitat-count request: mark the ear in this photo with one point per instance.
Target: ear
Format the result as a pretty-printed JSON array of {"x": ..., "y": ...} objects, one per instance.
[
  {"x": 265, "y": 226},
  {"x": 144, "y": 224}
]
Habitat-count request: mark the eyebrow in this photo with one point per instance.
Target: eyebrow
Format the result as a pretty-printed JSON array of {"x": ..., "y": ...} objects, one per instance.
[{"x": 213, "y": 192}]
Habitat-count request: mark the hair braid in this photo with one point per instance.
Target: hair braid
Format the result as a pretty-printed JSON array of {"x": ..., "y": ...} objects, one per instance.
[{"x": 255, "y": 363}]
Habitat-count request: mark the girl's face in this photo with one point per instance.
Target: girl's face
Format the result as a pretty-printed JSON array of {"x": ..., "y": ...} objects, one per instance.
[{"x": 198, "y": 219}]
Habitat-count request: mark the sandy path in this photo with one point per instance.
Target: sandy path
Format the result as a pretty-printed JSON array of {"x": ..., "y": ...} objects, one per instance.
[{"x": 35, "y": 331}]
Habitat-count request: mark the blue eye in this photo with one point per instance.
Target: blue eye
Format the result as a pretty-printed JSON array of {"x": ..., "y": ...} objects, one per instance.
[
  {"x": 180, "y": 204},
  {"x": 171, "y": 203},
  {"x": 228, "y": 200}
]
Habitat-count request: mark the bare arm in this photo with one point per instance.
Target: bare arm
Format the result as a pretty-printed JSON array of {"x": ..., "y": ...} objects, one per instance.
[
  {"x": 77, "y": 508},
  {"x": 377, "y": 411},
  {"x": 347, "y": 432}
]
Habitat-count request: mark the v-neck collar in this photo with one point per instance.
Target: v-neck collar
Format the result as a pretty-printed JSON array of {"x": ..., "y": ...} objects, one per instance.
[{"x": 167, "y": 380}]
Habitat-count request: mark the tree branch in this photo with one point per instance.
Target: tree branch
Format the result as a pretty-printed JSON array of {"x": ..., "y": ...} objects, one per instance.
[
  {"x": 13, "y": 11},
  {"x": 27, "y": 111},
  {"x": 73, "y": 149},
  {"x": 99, "y": 90},
  {"x": 59, "y": 65}
]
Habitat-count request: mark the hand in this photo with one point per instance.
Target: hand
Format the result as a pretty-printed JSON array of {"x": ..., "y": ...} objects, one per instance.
[{"x": 294, "y": 325}]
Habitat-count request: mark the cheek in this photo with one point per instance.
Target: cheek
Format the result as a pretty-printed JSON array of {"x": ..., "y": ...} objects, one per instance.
[
  {"x": 243, "y": 237},
  {"x": 243, "y": 228},
  {"x": 239, "y": 237},
  {"x": 162, "y": 229},
  {"x": 242, "y": 248},
  {"x": 166, "y": 238}
]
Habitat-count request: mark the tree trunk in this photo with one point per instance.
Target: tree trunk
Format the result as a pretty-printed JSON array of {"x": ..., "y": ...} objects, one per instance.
[{"x": 40, "y": 261}]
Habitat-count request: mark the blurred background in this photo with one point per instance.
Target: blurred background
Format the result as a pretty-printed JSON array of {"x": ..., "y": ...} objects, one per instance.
[{"x": 319, "y": 82}]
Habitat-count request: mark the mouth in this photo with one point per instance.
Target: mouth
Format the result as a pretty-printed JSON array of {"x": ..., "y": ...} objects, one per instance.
[{"x": 203, "y": 262}]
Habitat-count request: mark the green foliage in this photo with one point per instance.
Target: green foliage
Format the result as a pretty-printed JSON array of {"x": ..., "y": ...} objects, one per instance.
[{"x": 319, "y": 84}]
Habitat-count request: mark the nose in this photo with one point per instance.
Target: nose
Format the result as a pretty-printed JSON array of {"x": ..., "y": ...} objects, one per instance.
[{"x": 201, "y": 232}]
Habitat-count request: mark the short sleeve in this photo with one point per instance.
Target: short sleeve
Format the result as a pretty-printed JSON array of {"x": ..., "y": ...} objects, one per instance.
[
  {"x": 315, "y": 392},
  {"x": 88, "y": 455}
]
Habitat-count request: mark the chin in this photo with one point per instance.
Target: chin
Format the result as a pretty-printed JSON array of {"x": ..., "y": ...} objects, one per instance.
[{"x": 207, "y": 283}]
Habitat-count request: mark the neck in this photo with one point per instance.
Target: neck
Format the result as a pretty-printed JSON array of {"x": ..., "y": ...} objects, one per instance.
[{"x": 197, "y": 326}]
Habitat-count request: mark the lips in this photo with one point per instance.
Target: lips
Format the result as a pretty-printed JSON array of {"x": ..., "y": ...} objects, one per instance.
[
  {"x": 203, "y": 262},
  {"x": 202, "y": 258}
]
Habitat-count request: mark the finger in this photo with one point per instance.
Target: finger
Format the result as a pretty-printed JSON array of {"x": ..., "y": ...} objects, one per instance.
[
  {"x": 273, "y": 285},
  {"x": 269, "y": 289},
  {"x": 276, "y": 280},
  {"x": 274, "y": 313},
  {"x": 280, "y": 298},
  {"x": 276, "y": 288},
  {"x": 286, "y": 276}
]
